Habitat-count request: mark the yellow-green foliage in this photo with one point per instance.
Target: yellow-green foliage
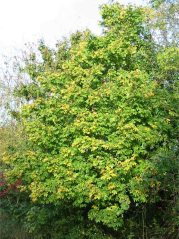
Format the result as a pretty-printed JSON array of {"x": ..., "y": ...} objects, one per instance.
[{"x": 100, "y": 118}]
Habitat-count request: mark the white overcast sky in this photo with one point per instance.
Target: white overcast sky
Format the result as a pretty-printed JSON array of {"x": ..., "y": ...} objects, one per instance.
[{"x": 24, "y": 21}]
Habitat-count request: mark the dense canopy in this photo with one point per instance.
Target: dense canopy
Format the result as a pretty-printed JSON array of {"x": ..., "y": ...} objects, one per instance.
[{"x": 100, "y": 116}]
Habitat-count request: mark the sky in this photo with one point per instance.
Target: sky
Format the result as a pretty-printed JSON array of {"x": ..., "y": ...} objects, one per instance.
[{"x": 23, "y": 21}]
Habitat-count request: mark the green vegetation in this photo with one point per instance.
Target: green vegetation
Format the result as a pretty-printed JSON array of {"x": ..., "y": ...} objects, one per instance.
[{"x": 97, "y": 139}]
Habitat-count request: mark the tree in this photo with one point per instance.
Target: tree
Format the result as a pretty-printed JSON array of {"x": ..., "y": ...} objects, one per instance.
[
  {"x": 164, "y": 22},
  {"x": 96, "y": 120}
]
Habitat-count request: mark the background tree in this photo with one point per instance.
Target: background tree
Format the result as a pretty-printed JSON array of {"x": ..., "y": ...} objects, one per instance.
[{"x": 165, "y": 22}]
